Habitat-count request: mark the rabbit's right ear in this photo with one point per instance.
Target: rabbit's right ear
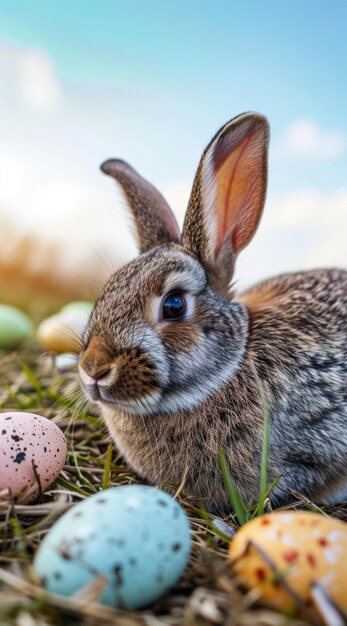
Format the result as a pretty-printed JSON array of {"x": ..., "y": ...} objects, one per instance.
[{"x": 228, "y": 196}]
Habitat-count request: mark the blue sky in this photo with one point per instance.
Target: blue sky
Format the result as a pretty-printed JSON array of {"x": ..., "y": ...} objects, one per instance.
[{"x": 151, "y": 81}]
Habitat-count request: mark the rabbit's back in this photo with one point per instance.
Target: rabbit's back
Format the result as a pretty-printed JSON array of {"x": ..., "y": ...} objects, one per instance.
[
  {"x": 299, "y": 322},
  {"x": 298, "y": 344}
]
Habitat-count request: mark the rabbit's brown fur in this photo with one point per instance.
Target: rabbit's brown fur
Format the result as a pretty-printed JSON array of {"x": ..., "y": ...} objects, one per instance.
[{"x": 173, "y": 392}]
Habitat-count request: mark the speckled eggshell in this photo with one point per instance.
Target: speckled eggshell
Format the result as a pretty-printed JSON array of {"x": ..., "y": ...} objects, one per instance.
[
  {"x": 136, "y": 536},
  {"x": 29, "y": 443},
  {"x": 305, "y": 547},
  {"x": 62, "y": 333}
]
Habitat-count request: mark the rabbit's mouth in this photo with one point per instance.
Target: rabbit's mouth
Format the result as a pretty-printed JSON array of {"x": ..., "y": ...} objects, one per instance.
[{"x": 141, "y": 406}]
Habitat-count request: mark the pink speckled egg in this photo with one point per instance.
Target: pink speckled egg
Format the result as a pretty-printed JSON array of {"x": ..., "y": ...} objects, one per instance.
[{"x": 32, "y": 453}]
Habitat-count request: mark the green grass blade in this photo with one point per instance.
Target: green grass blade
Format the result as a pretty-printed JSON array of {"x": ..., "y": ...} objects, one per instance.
[
  {"x": 107, "y": 468},
  {"x": 82, "y": 417},
  {"x": 71, "y": 486},
  {"x": 205, "y": 516},
  {"x": 31, "y": 377},
  {"x": 264, "y": 453},
  {"x": 259, "y": 509},
  {"x": 19, "y": 404},
  {"x": 82, "y": 478},
  {"x": 241, "y": 511},
  {"x": 19, "y": 536}
]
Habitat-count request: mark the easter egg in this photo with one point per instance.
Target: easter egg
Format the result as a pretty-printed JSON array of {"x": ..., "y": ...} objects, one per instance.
[
  {"x": 62, "y": 333},
  {"x": 136, "y": 537},
  {"x": 66, "y": 361},
  {"x": 81, "y": 306},
  {"x": 15, "y": 327},
  {"x": 303, "y": 548},
  {"x": 32, "y": 453}
]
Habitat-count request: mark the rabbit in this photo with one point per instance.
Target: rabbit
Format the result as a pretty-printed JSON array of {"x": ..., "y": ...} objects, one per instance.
[{"x": 176, "y": 360}]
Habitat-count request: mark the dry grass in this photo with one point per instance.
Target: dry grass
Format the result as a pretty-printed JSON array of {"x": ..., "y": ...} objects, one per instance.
[
  {"x": 32, "y": 277},
  {"x": 207, "y": 593}
]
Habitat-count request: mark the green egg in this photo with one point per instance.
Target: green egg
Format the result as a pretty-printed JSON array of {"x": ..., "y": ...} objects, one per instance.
[
  {"x": 15, "y": 327},
  {"x": 79, "y": 305}
]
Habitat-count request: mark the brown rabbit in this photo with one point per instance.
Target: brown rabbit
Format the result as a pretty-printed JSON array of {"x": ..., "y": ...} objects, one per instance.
[{"x": 175, "y": 359}]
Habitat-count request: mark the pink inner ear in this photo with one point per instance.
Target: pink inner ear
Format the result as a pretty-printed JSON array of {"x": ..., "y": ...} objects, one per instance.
[{"x": 240, "y": 183}]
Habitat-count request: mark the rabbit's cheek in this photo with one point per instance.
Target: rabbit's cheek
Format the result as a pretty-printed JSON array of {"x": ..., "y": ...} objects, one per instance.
[
  {"x": 178, "y": 336},
  {"x": 119, "y": 378},
  {"x": 135, "y": 382}
]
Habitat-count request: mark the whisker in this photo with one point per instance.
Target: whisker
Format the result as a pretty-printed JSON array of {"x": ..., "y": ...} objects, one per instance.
[{"x": 110, "y": 269}]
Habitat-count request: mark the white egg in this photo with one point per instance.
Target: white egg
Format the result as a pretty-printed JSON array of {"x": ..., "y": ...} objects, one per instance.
[{"x": 65, "y": 362}]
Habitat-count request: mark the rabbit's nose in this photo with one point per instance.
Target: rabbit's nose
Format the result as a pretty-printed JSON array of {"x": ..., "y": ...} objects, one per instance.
[{"x": 96, "y": 361}]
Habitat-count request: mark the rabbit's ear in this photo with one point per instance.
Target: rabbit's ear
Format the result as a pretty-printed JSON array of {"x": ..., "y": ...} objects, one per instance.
[
  {"x": 154, "y": 221},
  {"x": 228, "y": 196}
]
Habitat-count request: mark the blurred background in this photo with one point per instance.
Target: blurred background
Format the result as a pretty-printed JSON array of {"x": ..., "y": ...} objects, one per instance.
[{"x": 150, "y": 82}]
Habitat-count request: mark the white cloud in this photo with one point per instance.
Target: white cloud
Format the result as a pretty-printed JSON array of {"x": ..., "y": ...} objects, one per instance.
[
  {"x": 29, "y": 75},
  {"x": 300, "y": 230},
  {"x": 303, "y": 138},
  {"x": 177, "y": 195},
  {"x": 81, "y": 218},
  {"x": 86, "y": 218},
  {"x": 37, "y": 80}
]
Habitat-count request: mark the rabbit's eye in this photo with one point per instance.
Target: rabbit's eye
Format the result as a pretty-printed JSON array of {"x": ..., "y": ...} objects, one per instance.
[{"x": 174, "y": 306}]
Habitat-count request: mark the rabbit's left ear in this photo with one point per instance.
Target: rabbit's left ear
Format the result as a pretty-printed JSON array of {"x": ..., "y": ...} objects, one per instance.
[
  {"x": 155, "y": 223},
  {"x": 228, "y": 196}
]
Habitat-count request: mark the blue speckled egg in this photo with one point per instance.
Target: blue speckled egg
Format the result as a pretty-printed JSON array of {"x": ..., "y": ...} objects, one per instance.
[{"x": 137, "y": 537}]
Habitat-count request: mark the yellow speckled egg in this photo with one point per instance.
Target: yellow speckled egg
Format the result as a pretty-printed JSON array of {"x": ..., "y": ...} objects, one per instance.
[
  {"x": 295, "y": 548},
  {"x": 62, "y": 333}
]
